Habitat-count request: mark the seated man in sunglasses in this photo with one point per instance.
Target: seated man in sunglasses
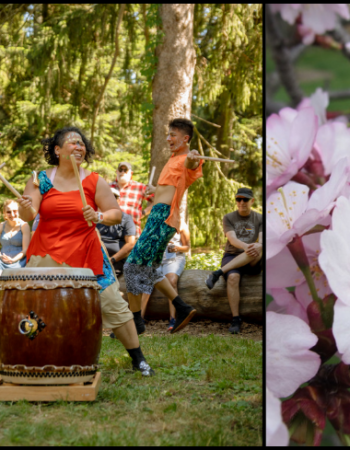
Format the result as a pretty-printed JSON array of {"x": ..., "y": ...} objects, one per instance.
[{"x": 243, "y": 251}]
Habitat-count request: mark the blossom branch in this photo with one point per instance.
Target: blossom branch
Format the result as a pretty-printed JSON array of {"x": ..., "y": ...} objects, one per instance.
[
  {"x": 282, "y": 58},
  {"x": 296, "y": 247}
]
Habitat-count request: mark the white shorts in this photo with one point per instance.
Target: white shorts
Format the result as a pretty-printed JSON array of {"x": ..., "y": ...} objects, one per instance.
[{"x": 174, "y": 265}]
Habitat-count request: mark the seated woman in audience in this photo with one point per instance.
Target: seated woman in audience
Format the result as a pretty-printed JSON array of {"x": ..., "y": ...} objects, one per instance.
[{"x": 14, "y": 238}]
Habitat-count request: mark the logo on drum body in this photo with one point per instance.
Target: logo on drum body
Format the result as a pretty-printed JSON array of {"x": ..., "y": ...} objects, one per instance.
[{"x": 31, "y": 326}]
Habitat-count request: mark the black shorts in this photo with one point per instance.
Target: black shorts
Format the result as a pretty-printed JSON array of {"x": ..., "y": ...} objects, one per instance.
[{"x": 244, "y": 270}]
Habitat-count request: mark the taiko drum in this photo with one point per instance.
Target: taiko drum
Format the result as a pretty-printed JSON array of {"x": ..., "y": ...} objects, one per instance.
[{"x": 50, "y": 325}]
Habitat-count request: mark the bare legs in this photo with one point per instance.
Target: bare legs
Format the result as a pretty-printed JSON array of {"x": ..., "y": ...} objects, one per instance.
[
  {"x": 127, "y": 334},
  {"x": 173, "y": 279},
  {"x": 233, "y": 292},
  {"x": 184, "y": 312},
  {"x": 166, "y": 289},
  {"x": 241, "y": 260},
  {"x": 164, "y": 286},
  {"x": 144, "y": 303},
  {"x": 134, "y": 302}
]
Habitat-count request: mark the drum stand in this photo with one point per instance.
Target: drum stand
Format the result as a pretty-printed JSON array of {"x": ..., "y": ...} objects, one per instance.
[{"x": 79, "y": 392}]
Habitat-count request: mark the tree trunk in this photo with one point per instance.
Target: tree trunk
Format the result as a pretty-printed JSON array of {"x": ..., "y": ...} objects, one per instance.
[
  {"x": 172, "y": 83},
  {"x": 224, "y": 133},
  {"x": 210, "y": 304}
]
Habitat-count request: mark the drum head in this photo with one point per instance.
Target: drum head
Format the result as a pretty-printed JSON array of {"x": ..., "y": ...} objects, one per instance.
[
  {"x": 48, "y": 278},
  {"x": 49, "y": 271}
]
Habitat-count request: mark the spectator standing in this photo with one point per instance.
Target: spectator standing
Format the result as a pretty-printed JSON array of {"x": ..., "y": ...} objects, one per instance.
[{"x": 132, "y": 194}]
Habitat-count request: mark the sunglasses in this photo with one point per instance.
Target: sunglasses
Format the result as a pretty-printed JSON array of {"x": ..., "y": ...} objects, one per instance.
[
  {"x": 123, "y": 170},
  {"x": 246, "y": 200}
]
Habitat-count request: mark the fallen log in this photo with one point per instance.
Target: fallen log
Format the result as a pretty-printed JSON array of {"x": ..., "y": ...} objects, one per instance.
[{"x": 210, "y": 304}]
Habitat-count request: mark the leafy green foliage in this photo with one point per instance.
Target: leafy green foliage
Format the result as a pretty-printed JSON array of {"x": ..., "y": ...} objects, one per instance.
[
  {"x": 204, "y": 261},
  {"x": 53, "y": 62}
]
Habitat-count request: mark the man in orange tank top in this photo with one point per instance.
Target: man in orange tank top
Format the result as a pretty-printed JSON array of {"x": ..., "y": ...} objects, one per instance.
[{"x": 140, "y": 269}]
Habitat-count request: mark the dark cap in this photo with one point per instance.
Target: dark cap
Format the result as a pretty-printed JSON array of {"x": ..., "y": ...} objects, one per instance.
[
  {"x": 245, "y": 192},
  {"x": 126, "y": 164}
]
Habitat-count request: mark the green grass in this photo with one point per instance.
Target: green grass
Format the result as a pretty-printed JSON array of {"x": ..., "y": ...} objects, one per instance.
[
  {"x": 328, "y": 62},
  {"x": 207, "y": 392}
]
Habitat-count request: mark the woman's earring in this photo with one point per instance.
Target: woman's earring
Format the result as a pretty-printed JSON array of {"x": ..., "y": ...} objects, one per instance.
[{"x": 57, "y": 154}]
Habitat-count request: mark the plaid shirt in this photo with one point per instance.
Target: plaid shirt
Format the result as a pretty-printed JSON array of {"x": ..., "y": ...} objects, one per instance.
[{"x": 130, "y": 202}]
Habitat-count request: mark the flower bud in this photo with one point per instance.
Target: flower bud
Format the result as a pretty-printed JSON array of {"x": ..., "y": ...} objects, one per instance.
[{"x": 305, "y": 415}]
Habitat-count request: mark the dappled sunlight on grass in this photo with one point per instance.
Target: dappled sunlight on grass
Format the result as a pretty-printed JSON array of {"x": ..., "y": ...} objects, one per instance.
[{"x": 207, "y": 391}]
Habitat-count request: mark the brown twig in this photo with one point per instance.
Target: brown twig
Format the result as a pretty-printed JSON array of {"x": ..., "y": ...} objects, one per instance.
[
  {"x": 282, "y": 58},
  {"x": 206, "y": 142},
  {"x": 200, "y": 146},
  {"x": 206, "y": 121}
]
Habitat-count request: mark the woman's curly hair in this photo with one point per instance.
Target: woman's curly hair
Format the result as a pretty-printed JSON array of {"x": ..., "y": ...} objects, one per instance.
[{"x": 58, "y": 139}]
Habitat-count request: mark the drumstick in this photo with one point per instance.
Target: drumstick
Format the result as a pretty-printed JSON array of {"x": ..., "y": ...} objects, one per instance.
[
  {"x": 35, "y": 178},
  {"x": 209, "y": 158},
  {"x": 152, "y": 175},
  {"x": 2, "y": 165},
  {"x": 76, "y": 173},
  {"x": 14, "y": 191}
]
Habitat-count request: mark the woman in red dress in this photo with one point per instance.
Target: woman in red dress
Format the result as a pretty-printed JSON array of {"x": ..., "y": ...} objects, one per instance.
[{"x": 63, "y": 236}]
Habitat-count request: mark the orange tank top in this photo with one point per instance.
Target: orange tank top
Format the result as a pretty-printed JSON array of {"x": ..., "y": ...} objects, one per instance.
[
  {"x": 175, "y": 173},
  {"x": 63, "y": 233}
]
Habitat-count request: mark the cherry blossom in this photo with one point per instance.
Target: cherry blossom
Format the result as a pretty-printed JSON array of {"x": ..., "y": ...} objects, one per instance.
[
  {"x": 319, "y": 101},
  {"x": 335, "y": 262},
  {"x": 335, "y": 251},
  {"x": 315, "y": 18},
  {"x": 278, "y": 278},
  {"x": 276, "y": 431},
  {"x": 333, "y": 143},
  {"x": 285, "y": 302},
  {"x": 289, "y": 361},
  {"x": 290, "y": 212},
  {"x": 290, "y": 138}
]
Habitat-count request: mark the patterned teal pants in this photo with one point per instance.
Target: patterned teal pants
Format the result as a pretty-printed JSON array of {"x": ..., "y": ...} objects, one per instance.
[{"x": 140, "y": 268}]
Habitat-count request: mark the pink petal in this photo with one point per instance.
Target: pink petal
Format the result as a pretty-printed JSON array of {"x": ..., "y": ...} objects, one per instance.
[
  {"x": 276, "y": 274},
  {"x": 289, "y": 362},
  {"x": 335, "y": 255},
  {"x": 341, "y": 329},
  {"x": 276, "y": 431},
  {"x": 285, "y": 302},
  {"x": 303, "y": 134},
  {"x": 342, "y": 9},
  {"x": 316, "y": 18},
  {"x": 309, "y": 219},
  {"x": 289, "y": 13}
]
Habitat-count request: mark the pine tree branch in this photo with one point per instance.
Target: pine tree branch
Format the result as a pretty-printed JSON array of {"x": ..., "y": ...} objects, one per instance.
[{"x": 108, "y": 77}]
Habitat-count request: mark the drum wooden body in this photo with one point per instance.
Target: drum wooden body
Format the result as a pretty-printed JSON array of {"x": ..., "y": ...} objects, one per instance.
[{"x": 50, "y": 325}]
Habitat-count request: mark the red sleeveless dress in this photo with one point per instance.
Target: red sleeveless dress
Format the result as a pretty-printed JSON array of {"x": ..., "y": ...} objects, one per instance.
[{"x": 63, "y": 233}]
